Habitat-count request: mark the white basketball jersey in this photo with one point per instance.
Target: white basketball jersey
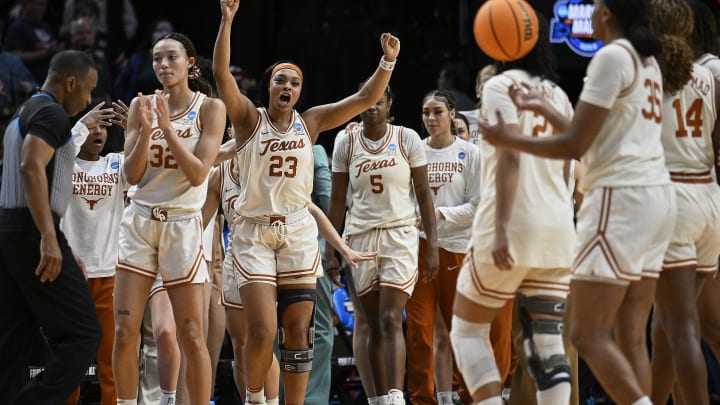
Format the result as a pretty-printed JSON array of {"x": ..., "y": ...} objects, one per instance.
[
  {"x": 688, "y": 121},
  {"x": 276, "y": 169},
  {"x": 229, "y": 190},
  {"x": 380, "y": 179},
  {"x": 454, "y": 180},
  {"x": 163, "y": 184},
  {"x": 91, "y": 223},
  {"x": 627, "y": 151},
  {"x": 711, "y": 62},
  {"x": 540, "y": 228}
]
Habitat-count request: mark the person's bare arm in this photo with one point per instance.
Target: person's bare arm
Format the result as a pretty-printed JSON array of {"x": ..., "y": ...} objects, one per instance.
[
  {"x": 327, "y": 116},
  {"x": 240, "y": 109},
  {"x": 36, "y": 154}
]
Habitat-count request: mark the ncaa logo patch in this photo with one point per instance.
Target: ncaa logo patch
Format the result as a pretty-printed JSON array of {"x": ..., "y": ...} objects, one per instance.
[
  {"x": 192, "y": 114},
  {"x": 298, "y": 127},
  {"x": 392, "y": 147},
  {"x": 114, "y": 165},
  {"x": 461, "y": 155}
]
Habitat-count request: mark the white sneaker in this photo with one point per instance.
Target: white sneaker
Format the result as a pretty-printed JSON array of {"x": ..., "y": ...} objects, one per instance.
[{"x": 396, "y": 397}]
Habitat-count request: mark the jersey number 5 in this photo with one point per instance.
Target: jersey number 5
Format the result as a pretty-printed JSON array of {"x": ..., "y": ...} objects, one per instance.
[
  {"x": 655, "y": 107},
  {"x": 692, "y": 118},
  {"x": 161, "y": 157},
  {"x": 376, "y": 183},
  {"x": 277, "y": 163}
]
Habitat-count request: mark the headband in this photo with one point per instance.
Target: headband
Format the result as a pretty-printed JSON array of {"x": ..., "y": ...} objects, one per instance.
[{"x": 290, "y": 66}]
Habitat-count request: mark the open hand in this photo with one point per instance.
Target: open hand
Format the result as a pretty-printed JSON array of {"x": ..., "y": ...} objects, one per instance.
[
  {"x": 162, "y": 110},
  {"x": 145, "y": 113},
  {"x": 120, "y": 114},
  {"x": 98, "y": 116}
]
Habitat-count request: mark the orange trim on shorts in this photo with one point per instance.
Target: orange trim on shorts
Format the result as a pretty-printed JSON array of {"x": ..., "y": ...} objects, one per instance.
[
  {"x": 401, "y": 287},
  {"x": 191, "y": 276},
  {"x": 373, "y": 285},
  {"x": 545, "y": 285},
  {"x": 707, "y": 269},
  {"x": 302, "y": 272},
  {"x": 253, "y": 278},
  {"x": 679, "y": 264},
  {"x": 479, "y": 287},
  {"x": 134, "y": 269},
  {"x": 600, "y": 241},
  {"x": 224, "y": 302},
  {"x": 691, "y": 178}
]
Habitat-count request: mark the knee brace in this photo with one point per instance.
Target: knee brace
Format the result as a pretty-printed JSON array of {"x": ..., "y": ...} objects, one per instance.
[
  {"x": 542, "y": 342},
  {"x": 296, "y": 361},
  {"x": 473, "y": 354}
]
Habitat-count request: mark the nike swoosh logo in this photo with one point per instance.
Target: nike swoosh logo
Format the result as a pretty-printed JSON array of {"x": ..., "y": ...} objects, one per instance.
[{"x": 451, "y": 268}]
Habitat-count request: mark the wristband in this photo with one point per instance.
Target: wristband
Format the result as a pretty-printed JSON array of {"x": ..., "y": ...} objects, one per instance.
[{"x": 385, "y": 65}]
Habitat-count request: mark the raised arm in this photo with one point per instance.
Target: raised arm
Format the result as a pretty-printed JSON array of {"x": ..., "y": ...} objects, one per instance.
[
  {"x": 327, "y": 116},
  {"x": 240, "y": 109}
]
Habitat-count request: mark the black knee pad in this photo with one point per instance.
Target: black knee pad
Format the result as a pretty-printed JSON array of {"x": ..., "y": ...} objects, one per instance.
[
  {"x": 296, "y": 361},
  {"x": 555, "y": 369}
]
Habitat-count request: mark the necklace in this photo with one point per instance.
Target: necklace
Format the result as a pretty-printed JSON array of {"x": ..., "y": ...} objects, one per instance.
[{"x": 443, "y": 145}]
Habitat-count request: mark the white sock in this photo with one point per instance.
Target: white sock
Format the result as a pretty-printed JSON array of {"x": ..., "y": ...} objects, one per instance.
[
  {"x": 643, "y": 401},
  {"x": 373, "y": 401},
  {"x": 127, "y": 401},
  {"x": 491, "y": 401},
  {"x": 255, "y": 397},
  {"x": 167, "y": 397},
  {"x": 395, "y": 397},
  {"x": 383, "y": 400},
  {"x": 445, "y": 398},
  {"x": 274, "y": 401}
]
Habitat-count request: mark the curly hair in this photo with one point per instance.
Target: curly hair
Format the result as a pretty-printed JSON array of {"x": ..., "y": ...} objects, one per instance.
[{"x": 672, "y": 21}]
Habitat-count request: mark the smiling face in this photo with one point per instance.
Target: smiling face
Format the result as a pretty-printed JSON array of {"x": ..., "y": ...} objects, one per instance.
[
  {"x": 94, "y": 143},
  {"x": 436, "y": 117},
  {"x": 284, "y": 88},
  {"x": 171, "y": 62}
]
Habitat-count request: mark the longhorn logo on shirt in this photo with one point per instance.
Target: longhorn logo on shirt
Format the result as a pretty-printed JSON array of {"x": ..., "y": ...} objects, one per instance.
[
  {"x": 436, "y": 188},
  {"x": 92, "y": 203},
  {"x": 158, "y": 214}
]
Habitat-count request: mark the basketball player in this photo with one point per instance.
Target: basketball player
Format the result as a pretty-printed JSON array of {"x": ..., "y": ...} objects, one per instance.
[
  {"x": 275, "y": 243},
  {"x": 453, "y": 176},
  {"x": 224, "y": 188},
  {"x": 705, "y": 45},
  {"x": 461, "y": 126},
  {"x": 172, "y": 140},
  {"x": 616, "y": 129},
  {"x": 41, "y": 283},
  {"x": 689, "y": 117},
  {"x": 386, "y": 169},
  {"x": 522, "y": 243},
  {"x": 91, "y": 226}
]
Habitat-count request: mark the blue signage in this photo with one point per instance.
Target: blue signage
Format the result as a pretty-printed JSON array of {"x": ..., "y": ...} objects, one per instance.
[{"x": 572, "y": 24}]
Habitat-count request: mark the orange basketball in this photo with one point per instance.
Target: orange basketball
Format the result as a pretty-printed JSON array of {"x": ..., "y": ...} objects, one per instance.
[{"x": 506, "y": 30}]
